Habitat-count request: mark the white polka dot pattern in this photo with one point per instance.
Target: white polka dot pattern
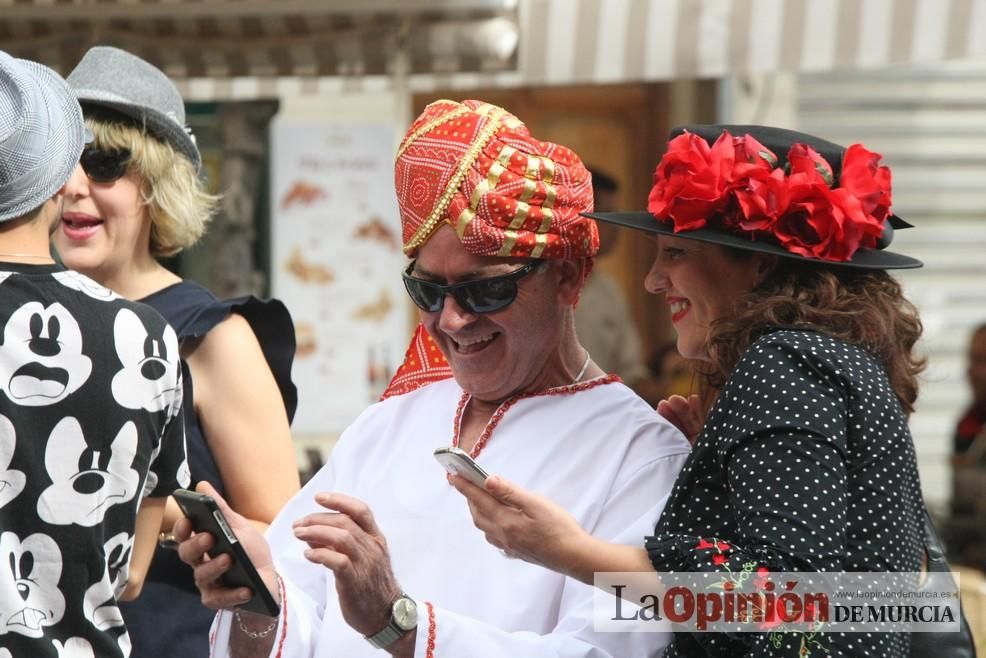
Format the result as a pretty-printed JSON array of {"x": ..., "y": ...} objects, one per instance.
[{"x": 805, "y": 463}]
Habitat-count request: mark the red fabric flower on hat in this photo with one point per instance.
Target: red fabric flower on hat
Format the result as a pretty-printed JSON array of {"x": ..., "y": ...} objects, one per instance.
[
  {"x": 761, "y": 202},
  {"x": 803, "y": 207},
  {"x": 691, "y": 181},
  {"x": 806, "y": 161},
  {"x": 753, "y": 160},
  {"x": 826, "y": 224},
  {"x": 864, "y": 178},
  {"x": 818, "y": 221},
  {"x": 694, "y": 181}
]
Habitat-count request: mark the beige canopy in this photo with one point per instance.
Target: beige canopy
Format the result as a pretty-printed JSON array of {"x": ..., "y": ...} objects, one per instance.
[{"x": 482, "y": 43}]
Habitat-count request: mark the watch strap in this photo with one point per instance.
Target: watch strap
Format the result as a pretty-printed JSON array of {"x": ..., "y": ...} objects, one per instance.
[
  {"x": 390, "y": 634},
  {"x": 392, "y": 631}
]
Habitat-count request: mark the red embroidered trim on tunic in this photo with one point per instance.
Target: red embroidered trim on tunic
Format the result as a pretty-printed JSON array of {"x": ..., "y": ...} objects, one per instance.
[
  {"x": 497, "y": 416},
  {"x": 432, "y": 630},
  {"x": 284, "y": 615}
]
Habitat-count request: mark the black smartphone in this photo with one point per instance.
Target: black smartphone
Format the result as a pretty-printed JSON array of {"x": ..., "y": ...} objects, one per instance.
[{"x": 205, "y": 515}]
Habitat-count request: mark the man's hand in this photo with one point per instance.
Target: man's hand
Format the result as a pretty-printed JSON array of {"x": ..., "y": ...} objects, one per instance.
[
  {"x": 346, "y": 540},
  {"x": 193, "y": 549}
]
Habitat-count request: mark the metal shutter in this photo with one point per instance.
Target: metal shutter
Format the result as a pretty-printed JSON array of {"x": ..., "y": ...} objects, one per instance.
[{"x": 930, "y": 125}]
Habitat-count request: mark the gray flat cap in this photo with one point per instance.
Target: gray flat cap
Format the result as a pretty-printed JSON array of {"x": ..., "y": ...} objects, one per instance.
[
  {"x": 41, "y": 135},
  {"x": 115, "y": 79}
]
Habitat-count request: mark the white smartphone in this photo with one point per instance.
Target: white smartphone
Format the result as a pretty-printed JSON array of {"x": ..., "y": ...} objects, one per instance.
[{"x": 458, "y": 462}]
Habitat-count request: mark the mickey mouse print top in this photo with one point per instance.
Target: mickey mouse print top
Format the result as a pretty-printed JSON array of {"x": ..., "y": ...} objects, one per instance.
[
  {"x": 90, "y": 423},
  {"x": 805, "y": 463}
]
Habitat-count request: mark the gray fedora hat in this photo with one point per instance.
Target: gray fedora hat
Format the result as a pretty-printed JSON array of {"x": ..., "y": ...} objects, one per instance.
[
  {"x": 41, "y": 135},
  {"x": 120, "y": 81}
]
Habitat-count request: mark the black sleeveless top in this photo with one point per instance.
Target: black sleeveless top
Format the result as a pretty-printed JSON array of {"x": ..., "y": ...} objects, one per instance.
[{"x": 168, "y": 619}]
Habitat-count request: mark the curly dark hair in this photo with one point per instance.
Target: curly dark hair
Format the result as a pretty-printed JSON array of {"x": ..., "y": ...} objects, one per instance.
[{"x": 865, "y": 308}]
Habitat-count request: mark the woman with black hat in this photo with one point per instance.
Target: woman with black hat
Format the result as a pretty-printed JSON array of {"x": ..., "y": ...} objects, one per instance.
[{"x": 771, "y": 257}]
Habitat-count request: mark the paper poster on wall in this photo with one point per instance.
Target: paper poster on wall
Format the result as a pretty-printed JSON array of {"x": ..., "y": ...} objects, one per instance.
[{"x": 336, "y": 262}]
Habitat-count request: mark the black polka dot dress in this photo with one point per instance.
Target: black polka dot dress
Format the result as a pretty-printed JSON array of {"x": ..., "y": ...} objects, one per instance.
[{"x": 804, "y": 464}]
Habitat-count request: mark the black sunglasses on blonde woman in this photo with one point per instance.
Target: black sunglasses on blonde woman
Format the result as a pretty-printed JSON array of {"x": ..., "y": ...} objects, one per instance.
[{"x": 104, "y": 165}]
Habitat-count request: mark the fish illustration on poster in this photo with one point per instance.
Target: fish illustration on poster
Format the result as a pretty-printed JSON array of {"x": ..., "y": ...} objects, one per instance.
[{"x": 336, "y": 263}]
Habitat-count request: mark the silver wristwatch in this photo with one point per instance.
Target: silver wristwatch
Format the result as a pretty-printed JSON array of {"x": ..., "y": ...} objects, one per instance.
[{"x": 403, "y": 619}]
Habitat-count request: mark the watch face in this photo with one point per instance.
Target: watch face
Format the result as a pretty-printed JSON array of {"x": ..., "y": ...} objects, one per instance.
[{"x": 405, "y": 613}]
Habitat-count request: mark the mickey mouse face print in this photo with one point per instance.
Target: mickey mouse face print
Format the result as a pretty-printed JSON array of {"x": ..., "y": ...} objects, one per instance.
[
  {"x": 150, "y": 364},
  {"x": 12, "y": 480},
  {"x": 31, "y": 568},
  {"x": 100, "y": 602},
  {"x": 86, "y": 480},
  {"x": 41, "y": 359},
  {"x": 82, "y": 283}
]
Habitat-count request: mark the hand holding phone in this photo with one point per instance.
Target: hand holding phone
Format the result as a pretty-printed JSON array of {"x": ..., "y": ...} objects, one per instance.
[
  {"x": 206, "y": 516},
  {"x": 458, "y": 462}
]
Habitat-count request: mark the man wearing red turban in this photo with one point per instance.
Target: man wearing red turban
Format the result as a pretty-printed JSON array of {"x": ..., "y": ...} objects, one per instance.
[
  {"x": 477, "y": 168},
  {"x": 378, "y": 550}
]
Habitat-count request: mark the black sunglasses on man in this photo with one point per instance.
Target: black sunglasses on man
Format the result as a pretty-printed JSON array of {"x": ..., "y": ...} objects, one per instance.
[{"x": 477, "y": 296}]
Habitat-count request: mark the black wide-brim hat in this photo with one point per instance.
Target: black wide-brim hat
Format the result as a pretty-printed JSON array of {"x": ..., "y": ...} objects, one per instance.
[{"x": 779, "y": 141}]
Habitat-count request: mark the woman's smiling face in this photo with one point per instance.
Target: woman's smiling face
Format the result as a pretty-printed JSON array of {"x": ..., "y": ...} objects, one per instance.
[
  {"x": 701, "y": 283},
  {"x": 104, "y": 227}
]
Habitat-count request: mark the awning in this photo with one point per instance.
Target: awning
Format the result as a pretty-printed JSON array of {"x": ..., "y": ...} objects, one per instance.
[
  {"x": 226, "y": 39},
  {"x": 609, "y": 41},
  {"x": 260, "y": 48},
  {"x": 620, "y": 40}
]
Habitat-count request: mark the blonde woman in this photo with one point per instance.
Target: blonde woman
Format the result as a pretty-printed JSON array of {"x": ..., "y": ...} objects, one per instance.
[{"x": 137, "y": 197}]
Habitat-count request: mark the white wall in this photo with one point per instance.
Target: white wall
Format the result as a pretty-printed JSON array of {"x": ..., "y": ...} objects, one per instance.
[{"x": 368, "y": 105}]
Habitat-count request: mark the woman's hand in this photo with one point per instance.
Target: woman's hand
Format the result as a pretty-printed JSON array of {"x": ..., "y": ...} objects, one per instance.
[
  {"x": 529, "y": 526},
  {"x": 684, "y": 413}
]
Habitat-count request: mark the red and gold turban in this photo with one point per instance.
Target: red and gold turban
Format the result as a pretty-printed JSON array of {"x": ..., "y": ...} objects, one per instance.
[{"x": 477, "y": 168}]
